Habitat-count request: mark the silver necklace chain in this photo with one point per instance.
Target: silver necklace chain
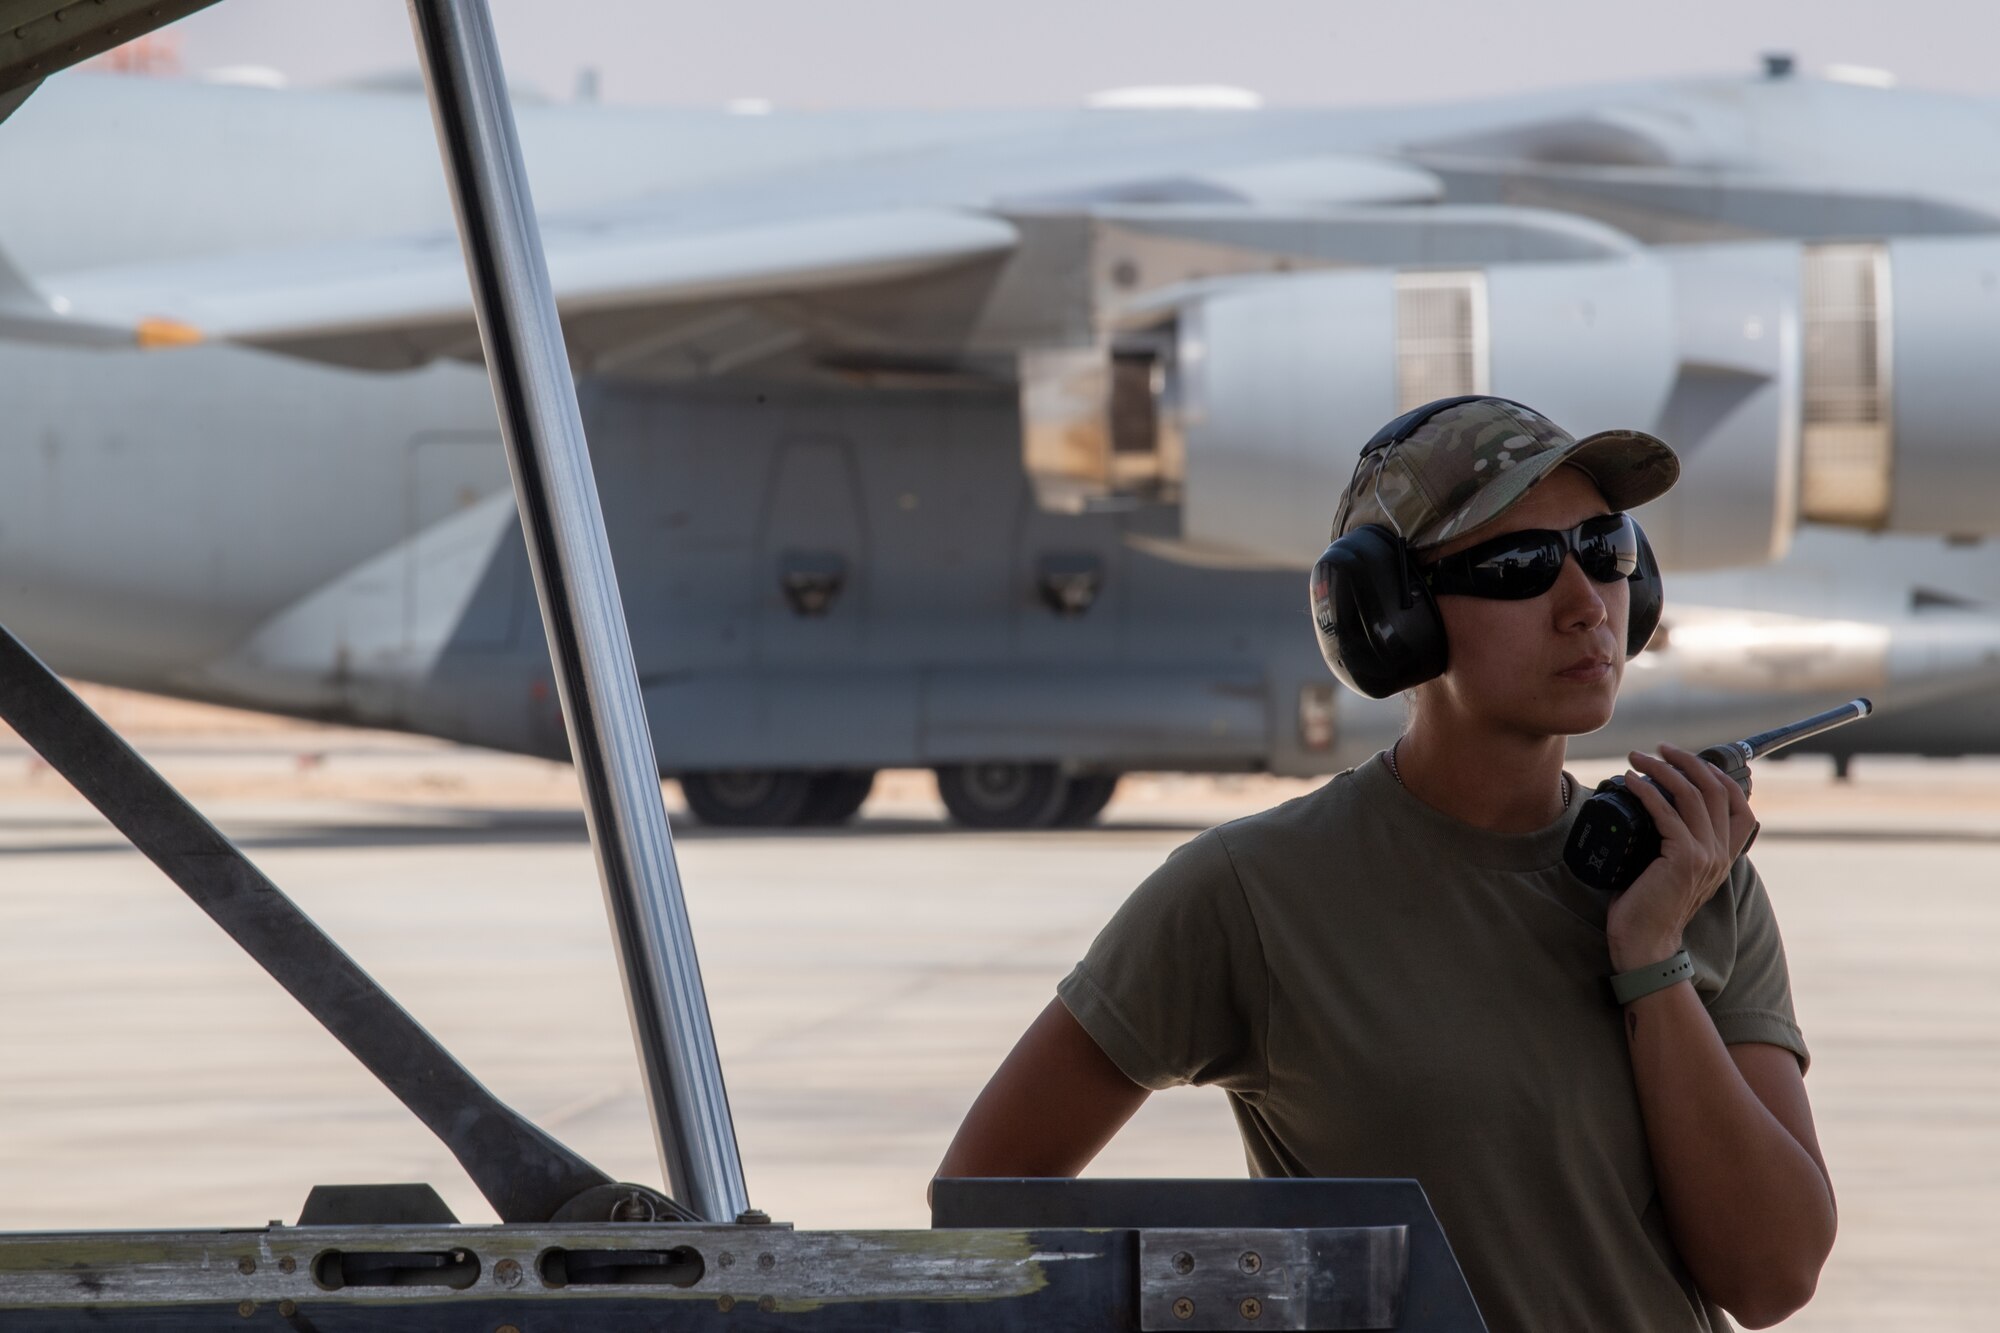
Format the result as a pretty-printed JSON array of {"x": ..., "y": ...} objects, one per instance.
[{"x": 1394, "y": 773}]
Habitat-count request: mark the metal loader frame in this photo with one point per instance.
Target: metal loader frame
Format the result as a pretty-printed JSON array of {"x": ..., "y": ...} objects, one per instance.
[{"x": 575, "y": 1248}]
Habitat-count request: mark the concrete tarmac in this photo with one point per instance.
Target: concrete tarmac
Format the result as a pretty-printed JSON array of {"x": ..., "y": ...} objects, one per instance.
[{"x": 864, "y": 983}]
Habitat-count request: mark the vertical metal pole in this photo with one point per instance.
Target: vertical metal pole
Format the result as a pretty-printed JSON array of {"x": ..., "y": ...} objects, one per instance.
[{"x": 592, "y": 651}]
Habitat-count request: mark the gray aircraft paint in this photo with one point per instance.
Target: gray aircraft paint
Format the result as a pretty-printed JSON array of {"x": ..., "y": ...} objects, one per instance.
[{"x": 257, "y": 529}]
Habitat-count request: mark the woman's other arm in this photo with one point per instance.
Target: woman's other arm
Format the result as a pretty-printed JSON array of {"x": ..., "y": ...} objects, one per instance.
[
  {"x": 1051, "y": 1106},
  {"x": 1178, "y": 975},
  {"x": 1746, "y": 1191}
]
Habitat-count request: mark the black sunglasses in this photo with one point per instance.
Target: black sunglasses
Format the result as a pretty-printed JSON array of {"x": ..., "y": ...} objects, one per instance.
[{"x": 1520, "y": 565}]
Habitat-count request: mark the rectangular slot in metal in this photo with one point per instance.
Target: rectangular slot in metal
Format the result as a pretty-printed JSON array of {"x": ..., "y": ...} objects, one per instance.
[
  {"x": 681, "y": 1266},
  {"x": 335, "y": 1270}
]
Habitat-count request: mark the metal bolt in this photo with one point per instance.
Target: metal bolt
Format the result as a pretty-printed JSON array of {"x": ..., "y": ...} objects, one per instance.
[
  {"x": 288, "y": 1308},
  {"x": 634, "y": 1208},
  {"x": 753, "y": 1217},
  {"x": 246, "y": 1308},
  {"x": 1251, "y": 1262},
  {"x": 766, "y": 1304},
  {"x": 766, "y": 1262},
  {"x": 288, "y": 1265},
  {"x": 507, "y": 1272},
  {"x": 246, "y": 1265},
  {"x": 1184, "y": 1263},
  {"x": 1251, "y": 1307},
  {"x": 725, "y": 1303},
  {"x": 726, "y": 1259},
  {"x": 1183, "y": 1308}
]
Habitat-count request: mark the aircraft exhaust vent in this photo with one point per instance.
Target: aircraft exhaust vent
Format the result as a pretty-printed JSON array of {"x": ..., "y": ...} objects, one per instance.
[
  {"x": 1098, "y": 425},
  {"x": 1848, "y": 441},
  {"x": 1441, "y": 336}
]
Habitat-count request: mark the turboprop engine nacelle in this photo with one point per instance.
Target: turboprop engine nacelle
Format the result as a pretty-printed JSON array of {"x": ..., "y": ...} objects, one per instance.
[
  {"x": 1901, "y": 402},
  {"x": 1869, "y": 364},
  {"x": 1842, "y": 383},
  {"x": 1733, "y": 414},
  {"x": 1273, "y": 384}
]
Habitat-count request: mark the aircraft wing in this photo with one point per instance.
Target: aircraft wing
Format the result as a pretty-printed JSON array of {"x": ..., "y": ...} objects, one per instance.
[
  {"x": 385, "y": 304},
  {"x": 1688, "y": 166}
]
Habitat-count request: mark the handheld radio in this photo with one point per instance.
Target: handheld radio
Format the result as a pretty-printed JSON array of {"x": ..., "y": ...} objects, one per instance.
[{"x": 1614, "y": 838}]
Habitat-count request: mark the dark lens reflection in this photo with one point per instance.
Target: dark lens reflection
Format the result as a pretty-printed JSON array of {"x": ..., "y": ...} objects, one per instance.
[
  {"x": 1608, "y": 547},
  {"x": 1526, "y": 564}
]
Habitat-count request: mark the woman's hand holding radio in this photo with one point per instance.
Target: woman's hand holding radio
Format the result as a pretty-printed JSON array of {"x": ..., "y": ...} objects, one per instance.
[{"x": 1703, "y": 829}]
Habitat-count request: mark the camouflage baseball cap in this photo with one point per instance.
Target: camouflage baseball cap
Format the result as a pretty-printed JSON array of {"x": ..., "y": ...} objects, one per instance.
[{"x": 1466, "y": 463}]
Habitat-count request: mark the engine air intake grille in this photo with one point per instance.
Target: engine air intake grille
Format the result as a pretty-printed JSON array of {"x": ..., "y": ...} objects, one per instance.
[
  {"x": 1848, "y": 441},
  {"x": 1440, "y": 336}
]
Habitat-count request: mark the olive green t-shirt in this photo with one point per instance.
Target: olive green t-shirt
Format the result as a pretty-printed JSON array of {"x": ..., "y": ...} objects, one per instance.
[{"x": 1385, "y": 991}]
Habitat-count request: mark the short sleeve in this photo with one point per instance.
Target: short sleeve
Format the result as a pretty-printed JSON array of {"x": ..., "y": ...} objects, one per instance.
[
  {"x": 1738, "y": 950},
  {"x": 1175, "y": 989}
]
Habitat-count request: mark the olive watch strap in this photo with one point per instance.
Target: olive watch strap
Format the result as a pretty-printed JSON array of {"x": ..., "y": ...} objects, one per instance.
[{"x": 1643, "y": 981}]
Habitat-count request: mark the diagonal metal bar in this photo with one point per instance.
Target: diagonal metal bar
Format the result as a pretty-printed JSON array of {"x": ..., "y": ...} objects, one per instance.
[
  {"x": 589, "y": 645},
  {"x": 523, "y": 1172}
]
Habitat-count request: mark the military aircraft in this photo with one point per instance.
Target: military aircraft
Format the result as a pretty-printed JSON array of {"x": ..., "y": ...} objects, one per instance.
[
  {"x": 573, "y": 1245},
  {"x": 1027, "y": 1254},
  {"x": 993, "y": 443}
]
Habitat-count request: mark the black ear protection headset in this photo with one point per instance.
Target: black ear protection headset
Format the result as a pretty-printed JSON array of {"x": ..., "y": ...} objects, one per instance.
[{"x": 1378, "y": 623}]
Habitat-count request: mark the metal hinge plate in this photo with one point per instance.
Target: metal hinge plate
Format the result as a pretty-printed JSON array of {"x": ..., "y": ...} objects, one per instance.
[{"x": 1278, "y": 1278}]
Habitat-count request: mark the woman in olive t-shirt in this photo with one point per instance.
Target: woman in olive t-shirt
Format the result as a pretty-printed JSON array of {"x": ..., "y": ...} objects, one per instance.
[{"x": 1396, "y": 976}]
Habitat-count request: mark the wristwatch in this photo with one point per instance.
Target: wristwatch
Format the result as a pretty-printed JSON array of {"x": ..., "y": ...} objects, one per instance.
[{"x": 1643, "y": 981}]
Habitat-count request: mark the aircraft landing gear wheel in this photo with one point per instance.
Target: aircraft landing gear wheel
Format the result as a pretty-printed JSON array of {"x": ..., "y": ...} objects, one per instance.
[
  {"x": 1088, "y": 795},
  {"x": 1002, "y": 795},
  {"x": 837, "y": 796},
  {"x": 748, "y": 798}
]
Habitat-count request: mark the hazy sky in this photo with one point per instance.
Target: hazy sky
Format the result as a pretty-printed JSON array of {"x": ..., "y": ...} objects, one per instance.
[{"x": 815, "y": 53}]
